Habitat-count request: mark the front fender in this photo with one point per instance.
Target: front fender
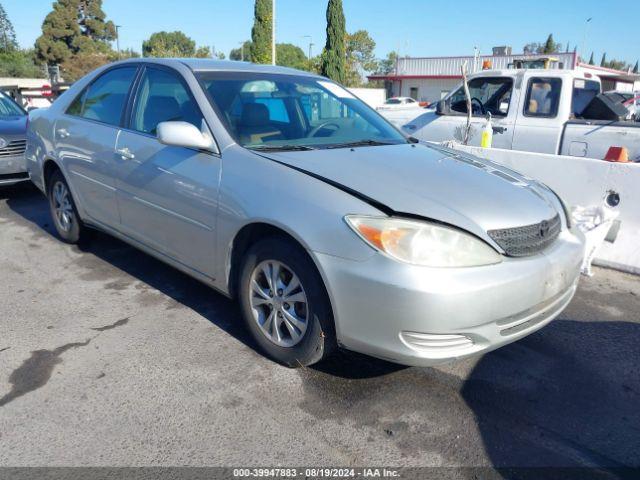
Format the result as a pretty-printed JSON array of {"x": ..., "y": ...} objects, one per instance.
[{"x": 254, "y": 189}]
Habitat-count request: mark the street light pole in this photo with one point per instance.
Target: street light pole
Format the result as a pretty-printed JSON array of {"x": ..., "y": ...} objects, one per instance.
[
  {"x": 118, "y": 39},
  {"x": 584, "y": 38},
  {"x": 310, "y": 47},
  {"x": 273, "y": 32}
]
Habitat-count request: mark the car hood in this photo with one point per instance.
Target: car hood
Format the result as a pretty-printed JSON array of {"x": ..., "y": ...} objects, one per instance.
[
  {"x": 14, "y": 125},
  {"x": 440, "y": 184}
]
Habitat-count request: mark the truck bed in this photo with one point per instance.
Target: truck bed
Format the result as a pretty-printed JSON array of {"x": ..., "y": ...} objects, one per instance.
[{"x": 592, "y": 138}]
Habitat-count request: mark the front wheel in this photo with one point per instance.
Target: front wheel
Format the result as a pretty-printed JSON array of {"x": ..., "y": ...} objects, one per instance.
[
  {"x": 284, "y": 303},
  {"x": 63, "y": 210}
]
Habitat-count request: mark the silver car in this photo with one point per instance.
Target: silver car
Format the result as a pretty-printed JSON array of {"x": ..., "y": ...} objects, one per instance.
[
  {"x": 13, "y": 139},
  {"x": 283, "y": 190}
]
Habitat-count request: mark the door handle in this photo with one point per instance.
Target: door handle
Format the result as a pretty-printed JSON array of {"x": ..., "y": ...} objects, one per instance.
[
  {"x": 63, "y": 132},
  {"x": 499, "y": 129},
  {"x": 125, "y": 154}
]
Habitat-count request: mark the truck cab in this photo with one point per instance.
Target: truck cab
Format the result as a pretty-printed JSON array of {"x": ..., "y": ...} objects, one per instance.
[{"x": 528, "y": 108}]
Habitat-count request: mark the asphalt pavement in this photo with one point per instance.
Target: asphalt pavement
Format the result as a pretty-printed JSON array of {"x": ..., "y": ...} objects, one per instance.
[{"x": 110, "y": 358}]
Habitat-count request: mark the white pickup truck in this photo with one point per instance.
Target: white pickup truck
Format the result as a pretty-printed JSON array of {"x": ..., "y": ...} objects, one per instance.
[{"x": 532, "y": 110}]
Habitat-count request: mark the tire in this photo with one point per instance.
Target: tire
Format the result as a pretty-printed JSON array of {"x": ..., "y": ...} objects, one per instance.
[
  {"x": 301, "y": 343},
  {"x": 64, "y": 215}
]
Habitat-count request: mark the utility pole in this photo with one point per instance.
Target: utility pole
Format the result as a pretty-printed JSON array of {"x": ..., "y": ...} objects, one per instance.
[
  {"x": 118, "y": 39},
  {"x": 273, "y": 32}
]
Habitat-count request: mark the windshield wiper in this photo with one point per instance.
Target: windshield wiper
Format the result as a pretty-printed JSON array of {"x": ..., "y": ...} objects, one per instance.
[
  {"x": 281, "y": 148},
  {"x": 360, "y": 143}
]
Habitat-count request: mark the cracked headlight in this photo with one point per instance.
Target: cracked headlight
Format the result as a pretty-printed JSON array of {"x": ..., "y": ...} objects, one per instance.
[{"x": 422, "y": 243}]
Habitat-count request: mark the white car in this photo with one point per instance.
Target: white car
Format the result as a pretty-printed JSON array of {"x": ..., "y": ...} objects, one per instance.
[{"x": 395, "y": 103}]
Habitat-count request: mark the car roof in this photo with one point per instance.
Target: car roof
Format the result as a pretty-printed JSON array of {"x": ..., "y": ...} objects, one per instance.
[
  {"x": 553, "y": 72},
  {"x": 210, "y": 65}
]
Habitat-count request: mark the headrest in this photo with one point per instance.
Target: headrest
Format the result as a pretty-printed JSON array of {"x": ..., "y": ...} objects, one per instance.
[
  {"x": 254, "y": 115},
  {"x": 160, "y": 109}
]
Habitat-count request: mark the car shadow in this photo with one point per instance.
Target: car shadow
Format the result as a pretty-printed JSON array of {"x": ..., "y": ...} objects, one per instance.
[
  {"x": 28, "y": 202},
  {"x": 32, "y": 206},
  {"x": 567, "y": 396}
]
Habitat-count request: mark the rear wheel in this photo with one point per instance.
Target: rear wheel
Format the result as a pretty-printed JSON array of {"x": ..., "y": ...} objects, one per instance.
[
  {"x": 63, "y": 210},
  {"x": 284, "y": 303}
]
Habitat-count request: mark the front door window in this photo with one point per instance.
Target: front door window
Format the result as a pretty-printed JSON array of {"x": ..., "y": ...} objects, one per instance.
[
  {"x": 162, "y": 97},
  {"x": 488, "y": 95}
]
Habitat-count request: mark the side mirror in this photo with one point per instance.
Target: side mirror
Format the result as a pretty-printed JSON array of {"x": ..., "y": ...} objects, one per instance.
[
  {"x": 184, "y": 134},
  {"x": 442, "y": 107}
]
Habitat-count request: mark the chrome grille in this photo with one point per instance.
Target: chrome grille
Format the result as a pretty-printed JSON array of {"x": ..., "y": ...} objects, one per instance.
[
  {"x": 14, "y": 149},
  {"x": 527, "y": 240}
]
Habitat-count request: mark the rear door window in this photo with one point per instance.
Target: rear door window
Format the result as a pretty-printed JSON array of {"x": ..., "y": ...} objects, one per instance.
[
  {"x": 583, "y": 92},
  {"x": 543, "y": 97},
  {"x": 104, "y": 100}
]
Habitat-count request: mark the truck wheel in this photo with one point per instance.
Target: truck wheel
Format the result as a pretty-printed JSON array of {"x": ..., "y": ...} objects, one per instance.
[{"x": 284, "y": 303}]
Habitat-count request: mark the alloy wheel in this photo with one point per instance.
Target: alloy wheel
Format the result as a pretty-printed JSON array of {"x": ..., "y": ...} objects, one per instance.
[
  {"x": 278, "y": 303},
  {"x": 62, "y": 207}
]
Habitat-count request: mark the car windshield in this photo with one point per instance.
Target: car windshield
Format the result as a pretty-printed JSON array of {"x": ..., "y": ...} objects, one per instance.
[
  {"x": 265, "y": 111},
  {"x": 9, "y": 108},
  {"x": 393, "y": 101}
]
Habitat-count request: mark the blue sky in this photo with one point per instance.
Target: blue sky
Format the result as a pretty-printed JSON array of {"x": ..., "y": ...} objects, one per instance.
[{"x": 414, "y": 27}]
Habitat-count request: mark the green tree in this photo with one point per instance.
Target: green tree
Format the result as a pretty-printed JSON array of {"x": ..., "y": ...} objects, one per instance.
[
  {"x": 20, "y": 64},
  {"x": 129, "y": 53},
  {"x": 8, "y": 41},
  {"x": 603, "y": 61},
  {"x": 334, "y": 54},
  {"x": 203, "y": 52},
  {"x": 241, "y": 53},
  {"x": 635, "y": 69},
  {"x": 288, "y": 55},
  {"x": 76, "y": 36},
  {"x": 388, "y": 64},
  {"x": 169, "y": 44},
  {"x": 618, "y": 64},
  {"x": 93, "y": 21},
  {"x": 360, "y": 48},
  {"x": 591, "y": 61},
  {"x": 550, "y": 46},
  {"x": 60, "y": 31},
  {"x": 262, "y": 32}
]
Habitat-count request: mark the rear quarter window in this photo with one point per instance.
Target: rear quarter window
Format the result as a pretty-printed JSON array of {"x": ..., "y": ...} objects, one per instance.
[{"x": 583, "y": 92}]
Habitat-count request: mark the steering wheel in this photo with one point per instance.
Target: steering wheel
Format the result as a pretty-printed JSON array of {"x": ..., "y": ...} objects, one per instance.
[
  {"x": 482, "y": 110},
  {"x": 314, "y": 132}
]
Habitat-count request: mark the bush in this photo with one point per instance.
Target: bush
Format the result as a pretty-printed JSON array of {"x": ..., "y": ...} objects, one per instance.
[{"x": 20, "y": 64}]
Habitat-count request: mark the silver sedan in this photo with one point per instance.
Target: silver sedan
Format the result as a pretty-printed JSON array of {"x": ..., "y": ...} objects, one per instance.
[{"x": 283, "y": 190}]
